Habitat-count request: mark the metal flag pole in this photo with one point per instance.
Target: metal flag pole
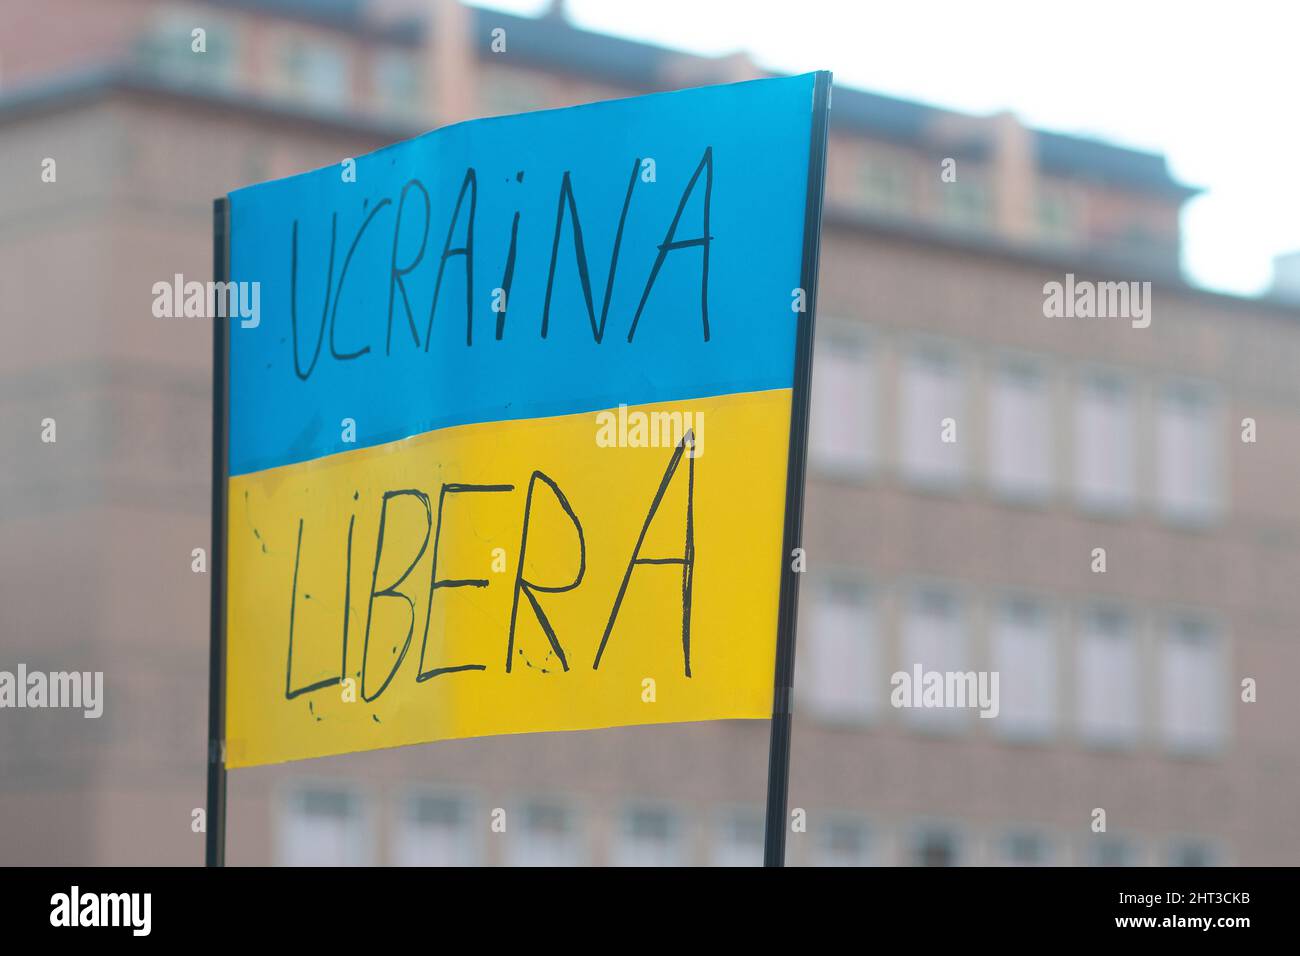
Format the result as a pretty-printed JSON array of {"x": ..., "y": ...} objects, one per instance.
[
  {"x": 215, "y": 816},
  {"x": 778, "y": 767}
]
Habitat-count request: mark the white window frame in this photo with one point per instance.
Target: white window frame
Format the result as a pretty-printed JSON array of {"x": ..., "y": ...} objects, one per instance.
[
  {"x": 1133, "y": 847},
  {"x": 1189, "y": 512},
  {"x": 1004, "y": 839},
  {"x": 823, "y": 855},
  {"x": 1179, "y": 740},
  {"x": 873, "y": 681},
  {"x": 1007, "y": 725},
  {"x": 925, "y": 460},
  {"x": 1121, "y": 502},
  {"x": 360, "y": 848},
  {"x": 941, "y": 720},
  {"x": 722, "y": 822},
  {"x": 1093, "y": 729},
  {"x": 298, "y": 82},
  {"x": 518, "y": 851},
  {"x": 384, "y": 67},
  {"x": 886, "y": 186},
  {"x": 847, "y": 341},
  {"x": 677, "y": 849},
  {"x": 1007, "y": 485},
  {"x": 469, "y": 851}
]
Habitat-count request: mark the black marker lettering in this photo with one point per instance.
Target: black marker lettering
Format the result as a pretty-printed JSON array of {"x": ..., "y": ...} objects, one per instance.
[
  {"x": 672, "y": 243},
  {"x": 391, "y": 590},
  {"x": 528, "y": 587},
  {"x": 343, "y": 275},
  {"x": 395, "y": 274},
  {"x": 293, "y": 298},
  {"x": 580, "y": 253},
  {"x": 687, "y": 560},
  {"x": 509, "y": 277},
  {"x": 434, "y": 583},
  {"x": 469, "y": 184},
  {"x": 290, "y": 692}
]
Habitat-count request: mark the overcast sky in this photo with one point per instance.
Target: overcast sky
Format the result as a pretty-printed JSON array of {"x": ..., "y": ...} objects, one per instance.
[{"x": 1214, "y": 86}]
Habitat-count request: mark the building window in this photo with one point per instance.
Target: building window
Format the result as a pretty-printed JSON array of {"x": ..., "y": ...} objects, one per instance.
[
  {"x": 322, "y": 826},
  {"x": 934, "y": 639},
  {"x": 935, "y": 846},
  {"x": 843, "y": 842},
  {"x": 1140, "y": 243},
  {"x": 549, "y": 836},
  {"x": 840, "y": 668},
  {"x": 1108, "y": 699},
  {"x": 843, "y": 428},
  {"x": 1192, "y": 852},
  {"x": 886, "y": 185},
  {"x": 1025, "y": 848},
  {"x": 1020, "y": 432},
  {"x": 166, "y": 49},
  {"x": 507, "y": 91},
  {"x": 933, "y": 394},
  {"x": 314, "y": 72},
  {"x": 397, "y": 83},
  {"x": 1024, "y": 655},
  {"x": 1104, "y": 448},
  {"x": 1104, "y": 849},
  {"x": 740, "y": 839},
  {"x": 649, "y": 836},
  {"x": 1189, "y": 454},
  {"x": 965, "y": 204},
  {"x": 1057, "y": 222},
  {"x": 1191, "y": 686},
  {"x": 434, "y": 830}
]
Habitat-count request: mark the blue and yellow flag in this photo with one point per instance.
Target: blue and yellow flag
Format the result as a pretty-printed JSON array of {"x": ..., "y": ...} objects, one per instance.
[{"x": 508, "y": 435}]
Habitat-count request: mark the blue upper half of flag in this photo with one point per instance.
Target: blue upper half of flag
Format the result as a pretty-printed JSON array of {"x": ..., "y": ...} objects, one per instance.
[{"x": 625, "y": 252}]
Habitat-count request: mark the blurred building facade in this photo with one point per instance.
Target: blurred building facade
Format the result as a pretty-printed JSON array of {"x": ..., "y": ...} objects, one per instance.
[{"x": 1120, "y": 690}]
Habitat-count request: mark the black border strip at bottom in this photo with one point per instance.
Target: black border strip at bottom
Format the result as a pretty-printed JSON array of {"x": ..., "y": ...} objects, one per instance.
[{"x": 370, "y": 907}]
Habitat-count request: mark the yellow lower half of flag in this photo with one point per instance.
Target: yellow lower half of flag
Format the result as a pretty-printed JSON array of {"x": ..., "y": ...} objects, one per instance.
[{"x": 376, "y": 597}]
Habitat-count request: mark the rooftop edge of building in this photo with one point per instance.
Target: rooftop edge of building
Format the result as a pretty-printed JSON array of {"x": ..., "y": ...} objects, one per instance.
[{"x": 74, "y": 89}]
